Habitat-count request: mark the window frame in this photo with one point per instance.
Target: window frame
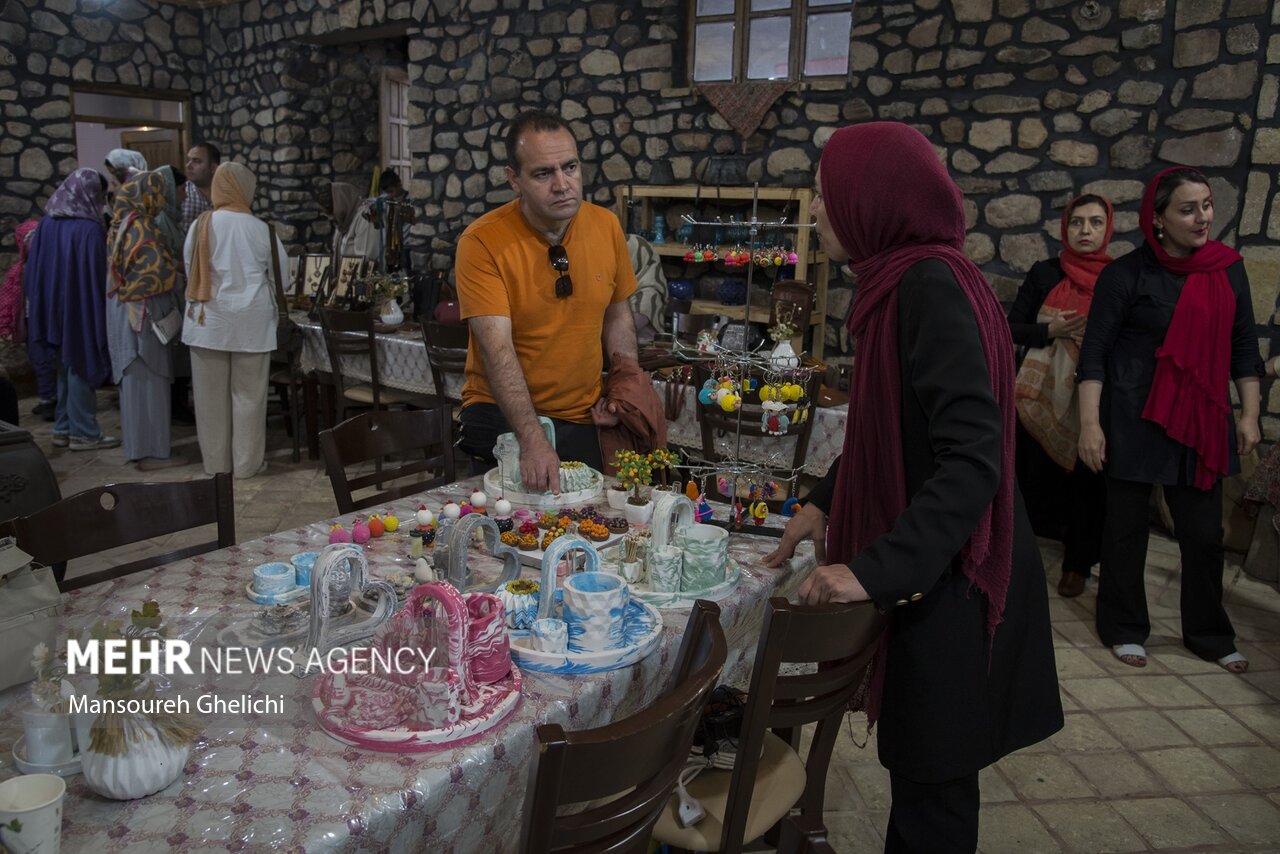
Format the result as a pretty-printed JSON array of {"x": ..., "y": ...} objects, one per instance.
[{"x": 741, "y": 18}]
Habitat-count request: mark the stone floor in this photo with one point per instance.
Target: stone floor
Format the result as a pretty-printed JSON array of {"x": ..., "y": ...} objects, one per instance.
[{"x": 1180, "y": 756}]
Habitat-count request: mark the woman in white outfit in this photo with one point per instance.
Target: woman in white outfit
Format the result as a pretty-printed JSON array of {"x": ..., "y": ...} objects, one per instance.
[{"x": 230, "y": 324}]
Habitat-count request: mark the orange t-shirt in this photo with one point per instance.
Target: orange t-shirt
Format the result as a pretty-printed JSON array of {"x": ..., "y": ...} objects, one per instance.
[{"x": 502, "y": 269}]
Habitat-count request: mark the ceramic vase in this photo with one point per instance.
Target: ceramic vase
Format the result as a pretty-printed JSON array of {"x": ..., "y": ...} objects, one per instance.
[
  {"x": 147, "y": 765},
  {"x": 617, "y": 498},
  {"x": 392, "y": 315},
  {"x": 47, "y": 737},
  {"x": 784, "y": 355},
  {"x": 638, "y": 514}
]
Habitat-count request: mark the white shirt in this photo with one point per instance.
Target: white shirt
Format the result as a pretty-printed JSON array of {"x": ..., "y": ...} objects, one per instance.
[{"x": 240, "y": 317}]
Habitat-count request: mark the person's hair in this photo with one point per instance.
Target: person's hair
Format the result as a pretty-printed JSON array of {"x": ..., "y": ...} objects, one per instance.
[
  {"x": 102, "y": 179},
  {"x": 1087, "y": 199},
  {"x": 536, "y": 121},
  {"x": 389, "y": 180},
  {"x": 1174, "y": 180},
  {"x": 215, "y": 156}
]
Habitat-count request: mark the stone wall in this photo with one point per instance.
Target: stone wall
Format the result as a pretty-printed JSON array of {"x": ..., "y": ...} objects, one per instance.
[{"x": 1030, "y": 101}]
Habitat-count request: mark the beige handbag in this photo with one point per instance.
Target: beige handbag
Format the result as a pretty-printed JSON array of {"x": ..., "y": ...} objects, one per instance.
[{"x": 30, "y": 606}]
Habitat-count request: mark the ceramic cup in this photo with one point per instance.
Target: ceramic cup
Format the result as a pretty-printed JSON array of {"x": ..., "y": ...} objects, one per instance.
[
  {"x": 594, "y": 605},
  {"x": 303, "y": 563},
  {"x": 273, "y": 578},
  {"x": 706, "y": 555},
  {"x": 665, "y": 565},
  {"x": 632, "y": 570},
  {"x": 48, "y": 737},
  {"x": 549, "y": 635},
  {"x": 34, "y": 803}
]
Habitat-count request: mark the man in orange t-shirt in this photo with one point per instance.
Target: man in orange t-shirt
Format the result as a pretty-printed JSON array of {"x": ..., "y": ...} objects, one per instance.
[{"x": 543, "y": 282}]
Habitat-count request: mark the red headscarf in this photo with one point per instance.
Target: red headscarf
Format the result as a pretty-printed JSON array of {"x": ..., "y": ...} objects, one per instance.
[
  {"x": 1080, "y": 271},
  {"x": 892, "y": 204},
  {"x": 1188, "y": 396}
]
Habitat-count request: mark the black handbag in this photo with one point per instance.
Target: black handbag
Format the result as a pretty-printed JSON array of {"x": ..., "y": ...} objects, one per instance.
[
  {"x": 721, "y": 722},
  {"x": 288, "y": 334}
]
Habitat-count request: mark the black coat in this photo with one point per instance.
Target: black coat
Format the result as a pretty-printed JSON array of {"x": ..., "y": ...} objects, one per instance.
[
  {"x": 1043, "y": 277},
  {"x": 950, "y": 708},
  {"x": 1132, "y": 307}
]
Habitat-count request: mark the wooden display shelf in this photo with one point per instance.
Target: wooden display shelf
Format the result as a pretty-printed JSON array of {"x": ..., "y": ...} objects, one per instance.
[{"x": 759, "y": 313}]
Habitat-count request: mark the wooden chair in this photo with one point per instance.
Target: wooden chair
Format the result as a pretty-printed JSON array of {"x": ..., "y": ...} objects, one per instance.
[
  {"x": 288, "y": 379},
  {"x": 769, "y": 779},
  {"x": 446, "y": 345},
  {"x": 423, "y": 435},
  {"x": 118, "y": 514},
  {"x": 714, "y": 423},
  {"x": 350, "y": 334},
  {"x": 631, "y": 764}
]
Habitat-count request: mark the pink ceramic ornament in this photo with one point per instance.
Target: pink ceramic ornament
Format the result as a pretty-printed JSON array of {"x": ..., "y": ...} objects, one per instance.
[
  {"x": 360, "y": 532},
  {"x": 339, "y": 534}
]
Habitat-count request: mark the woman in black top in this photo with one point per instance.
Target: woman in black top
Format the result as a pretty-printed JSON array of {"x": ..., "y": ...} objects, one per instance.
[
  {"x": 1170, "y": 326},
  {"x": 1064, "y": 500}
]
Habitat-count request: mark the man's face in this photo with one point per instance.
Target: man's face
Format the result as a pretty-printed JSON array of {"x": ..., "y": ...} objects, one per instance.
[
  {"x": 199, "y": 169},
  {"x": 549, "y": 182}
]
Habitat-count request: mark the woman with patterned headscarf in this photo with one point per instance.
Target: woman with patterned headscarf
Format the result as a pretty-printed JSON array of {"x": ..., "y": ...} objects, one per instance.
[
  {"x": 124, "y": 163},
  {"x": 140, "y": 293},
  {"x": 64, "y": 280},
  {"x": 230, "y": 324},
  {"x": 921, "y": 514}
]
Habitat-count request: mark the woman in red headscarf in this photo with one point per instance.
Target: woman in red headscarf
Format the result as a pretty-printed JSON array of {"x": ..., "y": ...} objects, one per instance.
[
  {"x": 1170, "y": 327},
  {"x": 924, "y": 515},
  {"x": 1065, "y": 501}
]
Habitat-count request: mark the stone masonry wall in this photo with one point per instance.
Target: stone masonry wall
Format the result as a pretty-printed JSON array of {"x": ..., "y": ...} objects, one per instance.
[{"x": 1029, "y": 101}]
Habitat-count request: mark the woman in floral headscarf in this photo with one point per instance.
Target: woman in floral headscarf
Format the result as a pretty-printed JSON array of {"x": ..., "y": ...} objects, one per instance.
[
  {"x": 1065, "y": 500},
  {"x": 921, "y": 514},
  {"x": 64, "y": 280},
  {"x": 1171, "y": 326},
  {"x": 140, "y": 294}
]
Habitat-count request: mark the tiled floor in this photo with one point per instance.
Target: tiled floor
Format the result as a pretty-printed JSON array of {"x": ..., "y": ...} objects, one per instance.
[{"x": 1180, "y": 756}]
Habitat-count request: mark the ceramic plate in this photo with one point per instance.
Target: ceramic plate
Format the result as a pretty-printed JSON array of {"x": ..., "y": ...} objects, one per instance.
[
  {"x": 546, "y": 500},
  {"x": 65, "y": 769},
  {"x": 685, "y": 598},
  {"x": 643, "y": 630}
]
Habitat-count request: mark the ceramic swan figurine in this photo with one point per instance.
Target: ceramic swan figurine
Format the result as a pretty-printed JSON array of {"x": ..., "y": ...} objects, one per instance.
[
  {"x": 454, "y": 538},
  {"x": 320, "y": 636},
  {"x": 671, "y": 512},
  {"x": 560, "y": 547}
]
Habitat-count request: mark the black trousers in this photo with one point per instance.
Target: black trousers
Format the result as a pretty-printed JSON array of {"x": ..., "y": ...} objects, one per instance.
[
  {"x": 1122, "y": 596},
  {"x": 1069, "y": 507},
  {"x": 482, "y": 423},
  {"x": 933, "y": 818}
]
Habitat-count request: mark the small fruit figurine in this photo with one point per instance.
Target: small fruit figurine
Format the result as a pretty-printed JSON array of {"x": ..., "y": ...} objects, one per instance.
[
  {"x": 424, "y": 517},
  {"x": 501, "y": 507},
  {"x": 691, "y": 490},
  {"x": 465, "y": 509},
  {"x": 479, "y": 501},
  {"x": 450, "y": 510},
  {"x": 339, "y": 534},
  {"x": 376, "y": 526},
  {"x": 360, "y": 532},
  {"x": 790, "y": 506},
  {"x": 391, "y": 523},
  {"x": 759, "y": 512}
]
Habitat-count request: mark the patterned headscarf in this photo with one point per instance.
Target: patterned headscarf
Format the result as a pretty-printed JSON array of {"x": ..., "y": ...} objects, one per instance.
[
  {"x": 80, "y": 196},
  {"x": 169, "y": 219},
  {"x": 141, "y": 262},
  {"x": 127, "y": 161},
  {"x": 232, "y": 190}
]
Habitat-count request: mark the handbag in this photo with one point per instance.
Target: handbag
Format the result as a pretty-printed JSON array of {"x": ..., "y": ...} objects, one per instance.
[
  {"x": 721, "y": 721},
  {"x": 288, "y": 334},
  {"x": 29, "y": 611}
]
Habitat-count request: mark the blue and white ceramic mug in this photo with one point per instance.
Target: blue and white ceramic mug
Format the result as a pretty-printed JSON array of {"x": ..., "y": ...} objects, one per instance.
[
  {"x": 593, "y": 607},
  {"x": 549, "y": 635}
]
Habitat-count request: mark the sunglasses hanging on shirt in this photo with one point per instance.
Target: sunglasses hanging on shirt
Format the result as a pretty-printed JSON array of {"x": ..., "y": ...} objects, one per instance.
[{"x": 559, "y": 259}]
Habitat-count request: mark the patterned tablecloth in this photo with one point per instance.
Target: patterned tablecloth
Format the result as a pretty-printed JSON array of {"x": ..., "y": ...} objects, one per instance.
[
  {"x": 402, "y": 361},
  {"x": 278, "y": 782}
]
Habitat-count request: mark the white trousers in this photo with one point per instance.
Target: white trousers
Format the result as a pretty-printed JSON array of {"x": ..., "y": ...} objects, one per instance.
[{"x": 230, "y": 391}]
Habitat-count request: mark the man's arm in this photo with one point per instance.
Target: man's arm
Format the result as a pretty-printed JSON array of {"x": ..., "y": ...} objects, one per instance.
[
  {"x": 619, "y": 331},
  {"x": 539, "y": 464}
]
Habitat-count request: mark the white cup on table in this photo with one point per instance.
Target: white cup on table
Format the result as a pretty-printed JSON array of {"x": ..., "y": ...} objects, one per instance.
[{"x": 31, "y": 813}]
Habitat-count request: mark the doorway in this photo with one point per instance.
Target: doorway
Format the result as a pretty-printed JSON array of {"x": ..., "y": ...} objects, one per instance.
[{"x": 156, "y": 124}]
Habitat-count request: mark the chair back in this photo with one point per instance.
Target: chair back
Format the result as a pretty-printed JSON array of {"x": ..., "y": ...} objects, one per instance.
[
  {"x": 446, "y": 354},
  {"x": 421, "y": 438},
  {"x": 842, "y": 640},
  {"x": 631, "y": 765},
  {"x": 716, "y": 425},
  {"x": 350, "y": 333},
  {"x": 118, "y": 514}
]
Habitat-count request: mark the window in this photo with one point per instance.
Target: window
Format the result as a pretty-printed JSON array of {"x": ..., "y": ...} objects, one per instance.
[
  {"x": 737, "y": 40},
  {"x": 394, "y": 115}
]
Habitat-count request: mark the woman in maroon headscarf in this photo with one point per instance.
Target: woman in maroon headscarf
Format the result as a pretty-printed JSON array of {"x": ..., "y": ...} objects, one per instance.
[
  {"x": 921, "y": 514},
  {"x": 1065, "y": 500},
  {"x": 1171, "y": 325}
]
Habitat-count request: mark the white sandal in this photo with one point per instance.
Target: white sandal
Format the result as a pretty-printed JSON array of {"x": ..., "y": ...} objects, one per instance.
[
  {"x": 1234, "y": 658},
  {"x": 1131, "y": 650}
]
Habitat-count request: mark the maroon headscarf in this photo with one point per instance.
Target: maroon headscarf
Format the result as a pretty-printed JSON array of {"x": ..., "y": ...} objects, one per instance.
[
  {"x": 1188, "y": 396},
  {"x": 11, "y": 307},
  {"x": 892, "y": 204}
]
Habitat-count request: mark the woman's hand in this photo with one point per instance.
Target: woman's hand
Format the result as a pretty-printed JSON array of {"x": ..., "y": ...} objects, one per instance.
[
  {"x": 809, "y": 524},
  {"x": 1093, "y": 446},
  {"x": 1247, "y": 435},
  {"x": 832, "y": 583},
  {"x": 1069, "y": 324}
]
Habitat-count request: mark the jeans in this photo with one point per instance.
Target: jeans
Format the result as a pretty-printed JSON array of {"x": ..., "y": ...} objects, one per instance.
[
  {"x": 44, "y": 364},
  {"x": 76, "y": 414}
]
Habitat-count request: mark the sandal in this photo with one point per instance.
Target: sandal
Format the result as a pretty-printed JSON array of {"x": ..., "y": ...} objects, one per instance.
[
  {"x": 1234, "y": 663},
  {"x": 1132, "y": 654}
]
